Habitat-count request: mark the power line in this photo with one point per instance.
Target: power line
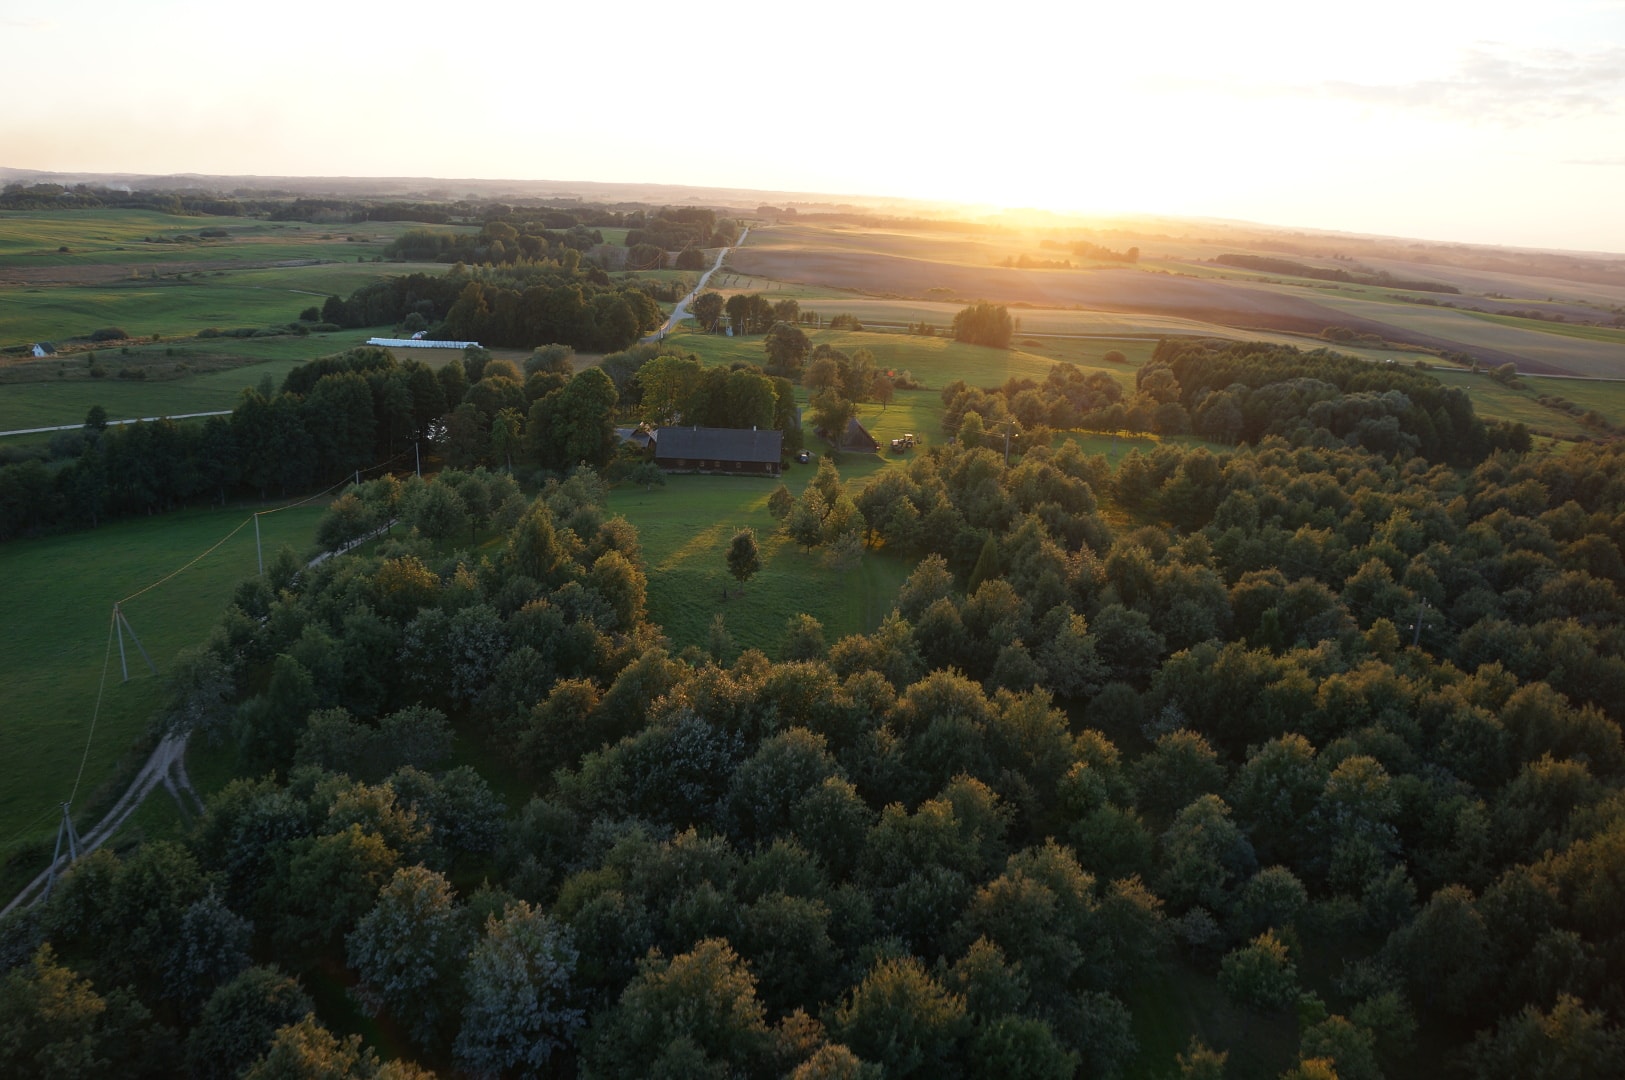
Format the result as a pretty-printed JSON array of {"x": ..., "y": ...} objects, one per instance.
[
  {"x": 97, "y": 711},
  {"x": 168, "y": 577}
]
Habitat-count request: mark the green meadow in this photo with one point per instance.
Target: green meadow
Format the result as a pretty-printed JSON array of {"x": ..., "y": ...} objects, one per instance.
[
  {"x": 56, "y": 623},
  {"x": 174, "y": 306},
  {"x": 686, "y": 527}
]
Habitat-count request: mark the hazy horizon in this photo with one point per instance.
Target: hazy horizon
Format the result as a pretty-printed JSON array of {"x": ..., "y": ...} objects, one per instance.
[{"x": 1488, "y": 123}]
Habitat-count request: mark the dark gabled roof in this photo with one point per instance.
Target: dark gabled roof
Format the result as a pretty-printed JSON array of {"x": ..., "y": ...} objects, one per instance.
[
  {"x": 718, "y": 444},
  {"x": 856, "y": 437}
]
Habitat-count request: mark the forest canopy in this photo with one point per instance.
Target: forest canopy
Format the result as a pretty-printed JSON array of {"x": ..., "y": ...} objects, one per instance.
[{"x": 1328, "y": 729}]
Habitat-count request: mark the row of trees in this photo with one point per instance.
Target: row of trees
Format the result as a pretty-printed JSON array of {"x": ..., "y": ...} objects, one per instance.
[{"x": 496, "y": 242}]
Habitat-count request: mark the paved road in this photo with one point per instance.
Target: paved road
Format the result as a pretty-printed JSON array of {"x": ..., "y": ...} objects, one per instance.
[
  {"x": 110, "y": 423},
  {"x": 680, "y": 312}
]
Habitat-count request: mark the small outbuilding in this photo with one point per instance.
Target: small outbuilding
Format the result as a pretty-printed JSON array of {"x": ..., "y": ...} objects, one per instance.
[
  {"x": 857, "y": 439},
  {"x": 43, "y": 348},
  {"x": 750, "y": 452},
  {"x": 640, "y": 436}
]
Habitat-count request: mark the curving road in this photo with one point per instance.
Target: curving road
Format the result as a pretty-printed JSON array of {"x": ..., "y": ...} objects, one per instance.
[{"x": 680, "y": 312}]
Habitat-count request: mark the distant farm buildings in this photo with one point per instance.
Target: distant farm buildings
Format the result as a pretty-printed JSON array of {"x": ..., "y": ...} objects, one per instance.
[
  {"x": 419, "y": 343},
  {"x": 751, "y": 452}
]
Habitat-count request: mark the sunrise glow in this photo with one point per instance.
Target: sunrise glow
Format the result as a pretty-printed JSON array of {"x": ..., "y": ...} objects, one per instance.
[{"x": 1484, "y": 121}]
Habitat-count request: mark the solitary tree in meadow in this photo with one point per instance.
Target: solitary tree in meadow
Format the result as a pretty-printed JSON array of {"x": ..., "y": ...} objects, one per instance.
[{"x": 743, "y": 557}]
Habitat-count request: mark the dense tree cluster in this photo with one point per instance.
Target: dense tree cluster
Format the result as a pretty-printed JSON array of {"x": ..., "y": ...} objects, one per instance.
[
  {"x": 1338, "y": 729},
  {"x": 332, "y": 417},
  {"x": 521, "y": 307},
  {"x": 674, "y": 228},
  {"x": 496, "y": 242},
  {"x": 1240, "y": 393},
  {"x": 984, "y": 324},
  {"x": 676, "y": 389}
]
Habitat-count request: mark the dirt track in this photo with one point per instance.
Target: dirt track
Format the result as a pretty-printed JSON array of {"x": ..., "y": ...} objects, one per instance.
[{"x": 166, "y": 766}]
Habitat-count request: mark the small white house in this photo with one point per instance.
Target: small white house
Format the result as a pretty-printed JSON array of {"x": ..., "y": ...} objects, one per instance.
[{"x": 43, "y": 348}]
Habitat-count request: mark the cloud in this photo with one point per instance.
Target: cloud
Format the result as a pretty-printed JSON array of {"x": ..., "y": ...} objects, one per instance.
[
  {"x": 1505, "y": 85},
  {"x": 1607, "y": 163}
]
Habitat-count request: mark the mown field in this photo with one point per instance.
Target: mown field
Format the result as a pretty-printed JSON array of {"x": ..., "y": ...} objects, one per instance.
[
  {"x": 686, "y": 528},
  {"x": 174, "y": 307},
  {"x": 60, "y": 592},
  {"x": 1495, "y": 401}
]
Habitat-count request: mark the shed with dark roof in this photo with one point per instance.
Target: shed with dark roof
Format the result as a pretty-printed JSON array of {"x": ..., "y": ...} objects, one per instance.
[{"x": 750, "y": 451}]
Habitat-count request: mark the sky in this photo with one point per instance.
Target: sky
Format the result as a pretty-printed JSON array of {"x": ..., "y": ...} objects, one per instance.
[{"x": 1483, "y": 122}]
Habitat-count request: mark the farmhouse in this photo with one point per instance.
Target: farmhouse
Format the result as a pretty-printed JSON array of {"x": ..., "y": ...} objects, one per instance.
[
  {"x": 43, "y": 348},
  {"x": 718, "y": 450}
]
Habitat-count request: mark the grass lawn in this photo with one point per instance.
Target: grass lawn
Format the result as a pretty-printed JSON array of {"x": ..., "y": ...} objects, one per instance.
[
  {"x": 1605, "y": 396},
  {"x": 1493, "y": 401},
  {"x": 686, "y": 527},
  {"x": 56, "y": 620}
]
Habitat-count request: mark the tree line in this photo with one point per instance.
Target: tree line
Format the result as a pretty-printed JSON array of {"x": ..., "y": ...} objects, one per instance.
[
  {"x": 514, "y": 307},
  {"x": 330, "y": 418}
]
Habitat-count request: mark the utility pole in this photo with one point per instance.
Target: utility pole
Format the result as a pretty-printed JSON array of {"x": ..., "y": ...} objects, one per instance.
[
  {"x": 64, "y": 832},
  {"x": 1009, "y": 426},
  {"x": 259, "y": 551},
  {"x": 1416, "y": 638}
]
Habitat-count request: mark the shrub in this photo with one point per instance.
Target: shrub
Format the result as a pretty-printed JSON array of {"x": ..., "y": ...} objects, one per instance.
[{"x": 108, "y": 333}]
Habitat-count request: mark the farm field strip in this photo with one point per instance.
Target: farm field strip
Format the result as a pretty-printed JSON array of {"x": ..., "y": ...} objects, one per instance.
[
  {"x": 224, "y": 299},
  {"x": 31, "y": 240},
  {"x": 1579, "y": 356}
]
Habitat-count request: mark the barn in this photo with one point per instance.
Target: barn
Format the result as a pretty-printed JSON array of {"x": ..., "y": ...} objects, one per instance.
[{"x": 750, "y": 452}]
